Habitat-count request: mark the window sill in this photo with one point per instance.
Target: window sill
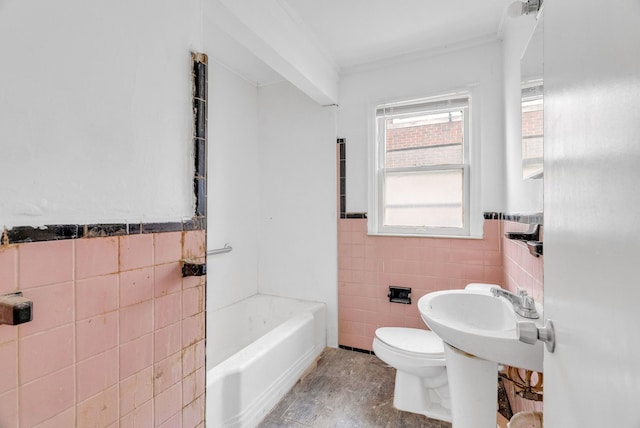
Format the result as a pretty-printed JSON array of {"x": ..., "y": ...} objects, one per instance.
[{"x": 418, "y": 235}]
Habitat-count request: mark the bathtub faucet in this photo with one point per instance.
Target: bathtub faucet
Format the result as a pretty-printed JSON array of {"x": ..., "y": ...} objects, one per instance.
[{"x": 523, "y": 304}]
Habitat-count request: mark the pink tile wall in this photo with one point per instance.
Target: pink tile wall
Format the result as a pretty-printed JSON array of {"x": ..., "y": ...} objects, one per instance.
[
  {"x": 367, "y": 265},
  {"x": 521, "y": 269},
  {"x": 117, "y": 337}
]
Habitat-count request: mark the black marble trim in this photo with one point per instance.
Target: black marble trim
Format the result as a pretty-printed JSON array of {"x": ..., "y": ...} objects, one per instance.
[
  {"x": 134, "y": 228},
  {"x": 519, "y": 218},
  {"x": 200, "y": 118},
  {"x": 200, "y": 78},
  {"x": 196, "y": 223},
  {"x": 57, "y": 232},
  {"x": 54, "y": 232},
  {"x": 342, "y": 160},
  {"x": 355, "y": 215},
  {"x": 200, "y": 153},
  {"x": 100, "y": 230},
  {"x": 162, "y": 227},
  {"x": 342, "y": 156},
  {"x": 492, "y": 216},
  {"x": 537, "y": 218},
  {"x": 200, "y": 94},
  {"x": 350, "y": 348},
  {"x": 200, "y": 189}
]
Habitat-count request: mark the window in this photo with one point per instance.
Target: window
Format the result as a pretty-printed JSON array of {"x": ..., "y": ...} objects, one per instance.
[
  {"x": 421, "y": 180},
  {"x": 532, "y": 104}
]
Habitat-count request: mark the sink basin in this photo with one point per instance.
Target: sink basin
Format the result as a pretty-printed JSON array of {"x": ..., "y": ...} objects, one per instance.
[{"x": 481, "y": 325}]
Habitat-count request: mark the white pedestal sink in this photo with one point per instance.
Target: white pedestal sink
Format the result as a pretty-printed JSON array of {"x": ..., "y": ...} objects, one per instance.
[
  {"x": 479, "y": 331},
  {"x": 472, "y": 388}
]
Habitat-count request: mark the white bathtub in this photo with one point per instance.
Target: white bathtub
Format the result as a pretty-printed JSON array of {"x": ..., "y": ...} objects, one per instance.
[{"x": 257, "y": 349}]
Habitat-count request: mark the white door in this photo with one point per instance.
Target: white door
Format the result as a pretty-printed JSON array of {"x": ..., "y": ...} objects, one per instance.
[{"x": 592, "y": 212}]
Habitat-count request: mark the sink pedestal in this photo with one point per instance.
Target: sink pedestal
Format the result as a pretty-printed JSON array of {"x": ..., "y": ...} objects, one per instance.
[{"x": 473, "y": 387}]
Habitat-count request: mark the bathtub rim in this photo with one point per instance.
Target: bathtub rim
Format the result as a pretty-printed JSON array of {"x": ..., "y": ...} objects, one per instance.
[{"x": 254, "y": 412}]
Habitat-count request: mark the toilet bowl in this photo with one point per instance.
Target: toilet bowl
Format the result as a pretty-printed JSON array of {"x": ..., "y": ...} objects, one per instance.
[{"x": 421, "y": 374}]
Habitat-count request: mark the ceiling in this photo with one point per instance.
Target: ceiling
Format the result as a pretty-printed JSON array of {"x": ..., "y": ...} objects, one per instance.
[
  {"x": 356, "y": 32},
  {"x": 352, "y": 34}
]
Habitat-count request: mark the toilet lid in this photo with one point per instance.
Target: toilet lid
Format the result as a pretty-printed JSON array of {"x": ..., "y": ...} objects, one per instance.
[{"x": 412, "y": 340}]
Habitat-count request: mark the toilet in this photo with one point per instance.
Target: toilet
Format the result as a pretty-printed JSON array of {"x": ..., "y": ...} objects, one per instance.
[{"x": 421, "y": 373}]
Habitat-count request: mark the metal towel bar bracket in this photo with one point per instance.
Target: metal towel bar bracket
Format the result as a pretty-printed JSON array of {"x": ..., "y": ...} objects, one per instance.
[{"x": 227, "y": 248}]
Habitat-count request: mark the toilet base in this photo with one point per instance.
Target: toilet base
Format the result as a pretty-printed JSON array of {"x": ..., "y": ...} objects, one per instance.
[{"x": 411, "y": 395}]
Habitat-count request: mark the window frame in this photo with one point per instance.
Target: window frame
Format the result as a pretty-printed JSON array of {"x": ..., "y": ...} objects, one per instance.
[{"x": 469, "y": 166}]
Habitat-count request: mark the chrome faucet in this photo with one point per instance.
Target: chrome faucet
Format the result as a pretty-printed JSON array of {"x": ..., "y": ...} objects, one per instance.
[{"x": 523, "y": 304}]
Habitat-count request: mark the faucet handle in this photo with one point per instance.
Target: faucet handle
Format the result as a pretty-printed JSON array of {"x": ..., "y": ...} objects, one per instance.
[
  {"x": 528, "y": 302},
  {"x": 521, "y": 292}
]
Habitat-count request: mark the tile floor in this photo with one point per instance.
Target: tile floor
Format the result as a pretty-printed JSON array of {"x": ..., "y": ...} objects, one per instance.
[{"x": 346, "y": 389}]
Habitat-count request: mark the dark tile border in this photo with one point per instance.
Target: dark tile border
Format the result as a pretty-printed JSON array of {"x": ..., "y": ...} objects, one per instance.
[
  {"x": 342, "y": 174},
  {"x": 196, "y": 223},
  {"x": 162, "y": 227},
  {"x": 55, "y": 232},
  {"x": 355, "y": 215},
  {"x": 200, "y": 94},
  {"x": 536, "y": 218},
  {"x": 58, "y": 232},
  {"x": 342, "y": 158},
  {"x": 99, "y": 230},
  {"x": 492, "y": 216},
  {"x": 350, "y": 348}
]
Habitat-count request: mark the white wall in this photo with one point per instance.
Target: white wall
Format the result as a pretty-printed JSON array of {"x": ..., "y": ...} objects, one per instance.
[
  {"x": 233, "y": 200},
  {"x": 478, "y": 66},
  {"x": 522, "y": 196},
  {"x": 298, "y": 216},
  {"x": 95, "y": 111}
]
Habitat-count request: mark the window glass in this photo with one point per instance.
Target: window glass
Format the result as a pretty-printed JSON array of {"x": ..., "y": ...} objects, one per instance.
[
  {"x": 532, "y": 131},
  {"x": 429, "y": 139},
  {"x": 422, "y": 167},
  {"x": 424, "y": 199}
]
